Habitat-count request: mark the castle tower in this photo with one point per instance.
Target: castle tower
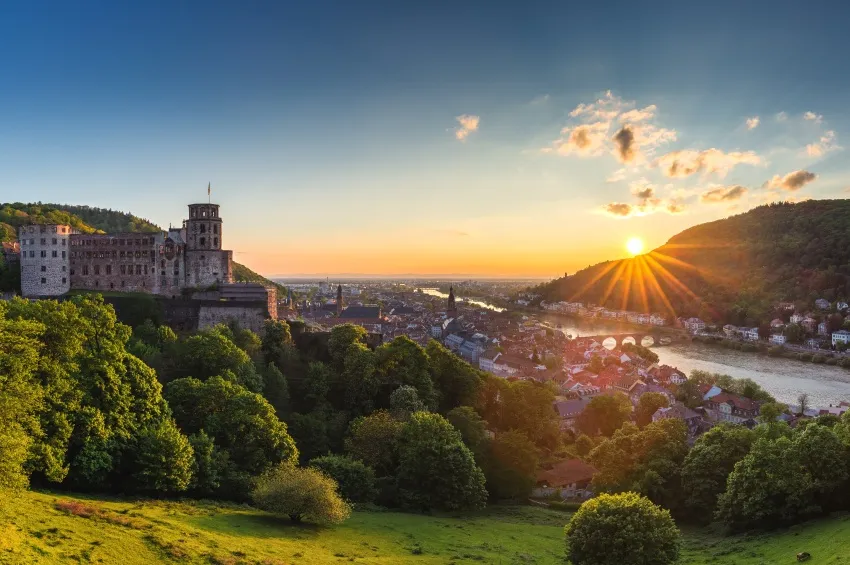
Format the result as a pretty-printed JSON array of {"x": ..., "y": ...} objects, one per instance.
[
  {"x": 206, "y": 263},
  {"x": 338, "y": 301},
  {"x": 45, "y": 259},
  {"x": 451, "y": 310}
]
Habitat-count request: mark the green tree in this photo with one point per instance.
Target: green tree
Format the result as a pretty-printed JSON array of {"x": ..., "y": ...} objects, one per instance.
[
  {"x": 276, "y": 390},
  {"x": 356, "y": 481},
  {"x": 709, "y": 463},
  {"x": 211, "y": 353},
  {"x": 360, "y": 381},
  {"x": 436, "y": 470},
  {"x": 471, "y": 426},
  {"x": 527, "y": 407},
  {"x": 622, "y": 528},
  {"x": 584, "y": 445},
  {"x": 510, "y": 465},
  {"x": 403, "y": 362},
  {"x": 648, "y": 404},
  {"x": 341, "y": 338},
  {"x": 457, "y": 383},
  {"x": 373, "y": 439},
  {"x": 604, "y": 414},
  {"x": 301, "y": 493},
  {"x": 162, "y": 460},
  {"x": 404, "y": 401},
  {"x": 242, "y": 423},
  {"x": 209, "y": 465}
]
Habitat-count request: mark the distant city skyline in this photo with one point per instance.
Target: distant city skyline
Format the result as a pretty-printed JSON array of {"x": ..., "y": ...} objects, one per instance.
[{"x": 485, "y": 140}]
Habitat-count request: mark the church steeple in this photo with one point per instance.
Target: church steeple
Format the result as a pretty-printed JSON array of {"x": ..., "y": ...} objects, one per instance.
[
  {"x": 451, "y": 310},
  {"x": 338, "y": 301}
]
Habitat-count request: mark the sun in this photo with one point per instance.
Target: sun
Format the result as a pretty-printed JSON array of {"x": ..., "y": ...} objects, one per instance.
[{"x": 634, "y": 246}]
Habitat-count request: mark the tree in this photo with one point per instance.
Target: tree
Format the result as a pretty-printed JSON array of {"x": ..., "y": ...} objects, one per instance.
[
  {"x": 301, "y": 493},
  {"x": 356, "y": 481},
  {"x": 709, "y": 463},
  {"x": 622, "y": 528},
  {"x": 436, "y": 470},
  {"x": 210, "y": 353},
  {"x": 276, "y": 390},
  {"x": 403, "y": 362},
  {"x": 584, "y": 445},
  {"x": 341, "y": 338},
  {"x": 162, "y": 460},
  {"x": 604, "y": 414},
  {"x": 208, "y": 466},
  {"x": 373, "y": 439},
  {"x": 527, "y": 407},
  {"x": 648, "y": 404},
  {"x": 242, "y": 423},
  {"x": 470, "y": 425},
  {"x": 457, "y": 383},
  {"x": 794, "y": 333},
  {"x": 360, "y": 381},
  {"x": 404, "y": 401},
  {"x": 510, "y": 466},
  {"x": 803, "y": 401},
  {"x": 596, "y": 365}
]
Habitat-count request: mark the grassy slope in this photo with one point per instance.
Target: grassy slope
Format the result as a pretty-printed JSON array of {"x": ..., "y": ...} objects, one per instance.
[{"x": 32, "y": 530}]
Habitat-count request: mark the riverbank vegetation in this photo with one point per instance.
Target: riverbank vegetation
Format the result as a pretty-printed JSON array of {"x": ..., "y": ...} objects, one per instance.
[{"x": 815, "y": 356}]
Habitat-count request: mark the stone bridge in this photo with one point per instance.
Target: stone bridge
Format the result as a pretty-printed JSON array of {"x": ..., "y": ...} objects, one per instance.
[{"x": 646, "y": 338}]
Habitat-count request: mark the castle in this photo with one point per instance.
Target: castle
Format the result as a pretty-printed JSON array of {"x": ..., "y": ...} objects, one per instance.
[
  {"x": 190, "y": 261},
  {"x": 56, "y": 258}
]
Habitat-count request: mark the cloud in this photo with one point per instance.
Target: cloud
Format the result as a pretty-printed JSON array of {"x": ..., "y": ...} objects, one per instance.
[
  {"x": 753, "y": 123},
  {"x": 617, "y": 176},
  {"x": 781, "y": 117},
  {"x": 684, "y": 163},
  {"x": 468, "y": 124},
  {"x": 792, "y": 181},
  {"x": 723, "y": 194},
  {"x": 624, "y": 145},
  {"x": 826, "y": 144},
  {"x": 638, "y": 115},
  {"x": 596, "y": 129},
  {"x": 648, "y": 202},
  {"x": 586, "y": 139},
  {"x": 538, "y": 100},
  {"x": 812, "y": 117}
]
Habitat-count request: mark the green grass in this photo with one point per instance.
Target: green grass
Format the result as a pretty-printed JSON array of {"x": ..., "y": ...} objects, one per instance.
[{"x": 37, "y": 527}]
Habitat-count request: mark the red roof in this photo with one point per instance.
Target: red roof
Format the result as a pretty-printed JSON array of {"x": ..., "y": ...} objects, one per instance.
[
  {"x": 740, "y": 402},
  {"x": 566, "y": 472}
]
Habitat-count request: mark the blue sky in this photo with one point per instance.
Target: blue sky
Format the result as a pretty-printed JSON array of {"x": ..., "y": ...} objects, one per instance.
[{"x": 329, "y": 131}]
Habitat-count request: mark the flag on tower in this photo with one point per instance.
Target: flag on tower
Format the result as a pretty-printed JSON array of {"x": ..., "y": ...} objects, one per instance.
[{"x": 208, "y": 188}]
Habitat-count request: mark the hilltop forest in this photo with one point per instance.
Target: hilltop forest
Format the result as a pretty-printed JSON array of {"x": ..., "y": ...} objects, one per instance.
[
  {"x": 86, "y": 219},
  {"x": 732, "y": 270}
]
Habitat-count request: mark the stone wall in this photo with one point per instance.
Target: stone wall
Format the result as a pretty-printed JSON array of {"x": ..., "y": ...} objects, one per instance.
[
  {"x": 44, "y": 260},
  {"x": 124, "y": 262},
  {"x": 207, "y": 268},
  {"x": 250, "y": 316}
]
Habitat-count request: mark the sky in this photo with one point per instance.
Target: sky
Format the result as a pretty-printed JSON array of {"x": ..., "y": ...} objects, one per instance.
[{"x": 455, "y": 138}]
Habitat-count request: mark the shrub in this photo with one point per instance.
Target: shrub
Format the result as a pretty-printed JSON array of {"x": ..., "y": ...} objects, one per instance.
[
  {"x": 300, "y": 493},
  {"x": 162, "y": 459},
  {"x": 614, "y": 529},
  {"x": 356, "y": 481},
  {"x": 818, "y": 358},
  {"x": 564, "y": 505}
]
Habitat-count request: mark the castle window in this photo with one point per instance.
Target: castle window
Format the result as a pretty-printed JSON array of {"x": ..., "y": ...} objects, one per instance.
[
  {"x": 63, "y": 254},
  {"x": 203, "y": 228},
  {"x": 138, "y": 254},
  {"x": 215, "y": 229},
  {"x": 72, "y": 272},
  {"x": 32, "y": 254},
  {"x": 63, "y": 243},
  {"x": 176, "y": 281},
  {"x": 109, "y": 269},
  {"x": 215, "y": 242},
  {"x": 203, "y": 213},
  {"x": 121, "y": 242},
  {"x": 88, "y": 254},
  {"x": 44, "y": 241},
  {"x": 97, "y": 269},
  {"x": 43, "y": 269},
  {"x": 43, "y": 280},
  {"x": 138, "y": 269},
  {"x": 203, "y": 240},
  {"x": 55, "y": 241},
  {"x": 44, "y": 254},
  {"x": 122, "y": 284},
  {"x": 54, "y": 254},
  {"x": 85, "y": 269},
  {"x": 64, "y": 280},
  {"x": 96, "y": 283},
  {"x": 123, "y": 269},
  {"x": 64, "y": 268},
  {"x": 146, "y": 269}
]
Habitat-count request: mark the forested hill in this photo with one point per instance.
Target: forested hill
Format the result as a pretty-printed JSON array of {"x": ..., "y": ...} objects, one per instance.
[
  {"x": 93, "y": 220},
  {"x": 732, "y": 270}
]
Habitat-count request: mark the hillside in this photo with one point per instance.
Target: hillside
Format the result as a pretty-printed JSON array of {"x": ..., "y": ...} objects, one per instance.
[
  {"x": 46, "y": 528},
  {"x": 93, "y": 220},
  {"x": 731, "y": 270}
]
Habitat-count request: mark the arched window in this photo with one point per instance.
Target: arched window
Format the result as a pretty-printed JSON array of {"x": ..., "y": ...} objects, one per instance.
[
  {"x": 215, "y": 228},
  {"x": 203, "y": 228},
  {"x": 203, "y": 241}
]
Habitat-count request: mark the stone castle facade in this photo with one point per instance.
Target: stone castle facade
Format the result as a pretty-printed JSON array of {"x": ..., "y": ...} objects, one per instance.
[{"x": 55, "y": 259}]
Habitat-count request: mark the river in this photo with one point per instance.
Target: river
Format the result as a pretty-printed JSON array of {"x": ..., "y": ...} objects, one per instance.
[
  {"x": 785, "y": 379},
  {"x": 479, "y": 303}
]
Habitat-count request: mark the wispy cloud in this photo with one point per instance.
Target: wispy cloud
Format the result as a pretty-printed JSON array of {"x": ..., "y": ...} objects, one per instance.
[
  {"x": 612, "y": 125},
  {"x": 468, "y": 124},
  {"x": 538, "y": 100},
  {"x": 824, "y": 145},
  {"x": 753, "y": 123},
  {"x": 647, "y": 202},
  {"x": 781, "y": 116},
  {"x": 812, "y": 117},
  {"x": 791, "y": 182},
  {"x": 684, "y": 163},
  {"x": 723, "y": 194}
]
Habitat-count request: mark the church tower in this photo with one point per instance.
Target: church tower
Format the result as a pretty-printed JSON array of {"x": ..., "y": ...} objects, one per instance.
[
  {"x": 451, "y": 311},
  {"x": 338, "y": 301}
]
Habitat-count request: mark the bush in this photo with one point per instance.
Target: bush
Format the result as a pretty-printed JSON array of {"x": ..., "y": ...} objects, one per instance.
[
  {"x": 565, "y": 506},
  {"x": 614, "y": 529},
  {"x": 818, "y": 358},
  {"x": 162, "y": 459},
  {"x": 300, "y": 493},
  {"x": 356, "y": 481}
]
